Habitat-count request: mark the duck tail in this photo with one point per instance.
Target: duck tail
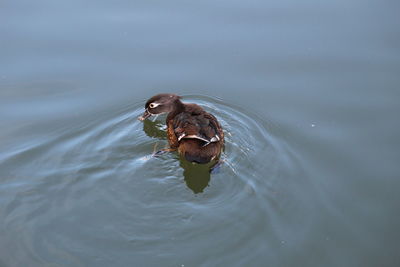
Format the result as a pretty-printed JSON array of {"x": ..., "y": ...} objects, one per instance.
[
  {"x": 193, "y": 151},
  {"x": 197, "y": 158}
]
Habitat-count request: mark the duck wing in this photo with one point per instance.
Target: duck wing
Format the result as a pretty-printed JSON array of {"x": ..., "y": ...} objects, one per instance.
[{"x": 197, "y": 125}]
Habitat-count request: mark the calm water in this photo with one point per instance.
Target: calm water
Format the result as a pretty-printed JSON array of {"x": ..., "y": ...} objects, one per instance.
[{"x": 307, "y": 92}]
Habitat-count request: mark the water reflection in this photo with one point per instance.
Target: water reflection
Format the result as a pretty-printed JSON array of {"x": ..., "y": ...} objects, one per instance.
[
  {"x": 197, "y": 176},
  {"x": 154, "y": 129}
]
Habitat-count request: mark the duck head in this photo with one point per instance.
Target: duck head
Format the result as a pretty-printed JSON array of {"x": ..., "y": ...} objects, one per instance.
[{"x": 159, "y": 104}]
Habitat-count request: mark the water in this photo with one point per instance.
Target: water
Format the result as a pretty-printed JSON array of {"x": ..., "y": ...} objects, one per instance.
[{"x": 308, "y": 96}]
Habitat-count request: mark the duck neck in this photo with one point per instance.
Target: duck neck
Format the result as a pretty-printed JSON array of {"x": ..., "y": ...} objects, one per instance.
[{"x": 178, "y": 108}]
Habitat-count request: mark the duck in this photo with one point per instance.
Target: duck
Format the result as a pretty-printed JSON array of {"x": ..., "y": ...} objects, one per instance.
[{"x": 193, "y": 132}]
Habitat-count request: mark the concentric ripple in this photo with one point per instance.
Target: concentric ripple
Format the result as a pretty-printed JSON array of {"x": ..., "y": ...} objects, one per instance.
[{"x": 100, "y": 184}]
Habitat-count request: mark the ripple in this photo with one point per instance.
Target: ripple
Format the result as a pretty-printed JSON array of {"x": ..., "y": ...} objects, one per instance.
[{"x": 103, "y": 174}]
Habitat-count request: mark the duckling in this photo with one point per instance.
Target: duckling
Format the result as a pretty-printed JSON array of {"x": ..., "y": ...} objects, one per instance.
[{"x": 195, "y": 133}]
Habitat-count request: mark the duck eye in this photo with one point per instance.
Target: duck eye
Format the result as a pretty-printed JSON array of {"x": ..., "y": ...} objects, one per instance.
[{"x": 154, "y": 105}]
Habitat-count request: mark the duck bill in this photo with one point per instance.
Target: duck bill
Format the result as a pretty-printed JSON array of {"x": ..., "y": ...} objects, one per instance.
[{"x": 145, "y": 115}]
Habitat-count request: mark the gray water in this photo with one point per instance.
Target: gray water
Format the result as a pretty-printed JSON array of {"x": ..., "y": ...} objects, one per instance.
[{"x": 308, "y": 95}]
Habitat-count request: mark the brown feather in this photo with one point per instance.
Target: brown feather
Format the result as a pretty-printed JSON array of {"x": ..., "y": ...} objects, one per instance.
[{"x": 196, "y": 133}]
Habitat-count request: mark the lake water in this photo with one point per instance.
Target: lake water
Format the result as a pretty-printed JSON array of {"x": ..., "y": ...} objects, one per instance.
[{"x": 308, "y": 95}]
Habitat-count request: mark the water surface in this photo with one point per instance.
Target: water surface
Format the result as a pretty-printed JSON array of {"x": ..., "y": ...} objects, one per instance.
[{"x": 307, "y": 93}]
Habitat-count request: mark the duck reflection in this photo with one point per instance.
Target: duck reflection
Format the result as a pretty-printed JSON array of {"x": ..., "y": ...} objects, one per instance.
[
  {"x": 154, "y": 129},
  {"x": 196, "y": 176}
]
